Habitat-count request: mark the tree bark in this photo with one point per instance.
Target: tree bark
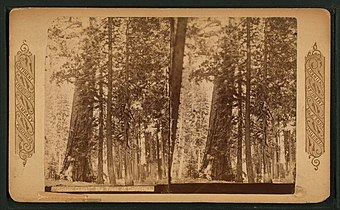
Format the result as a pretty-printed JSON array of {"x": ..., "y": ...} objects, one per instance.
[
  {"x": 239, "y": 170},
  {"x": 276, "y": 153},
  {"x": 290, "y": 152},
  {"x": 175, "y": 84},
  {"x": 126, "y": 112},
  {"x": 217, "y": 151},
  {"x": 164, "y": 139},
  {"x": 158, "y": 156},
  {"x": 79, "y": 145},
  {"x": 110, "y": 164},
  {"x": 80, "y": 134},
  {"x": 138, "y": 152},
  {"x": 148, "y": 152},
  {"x": 119, "y": 162},
  {"x": 249, "y": 163},
  {"x": 288, "y": 145},
  {"x": 100, "y": 179},
  {"x": 265, "y": 106}
]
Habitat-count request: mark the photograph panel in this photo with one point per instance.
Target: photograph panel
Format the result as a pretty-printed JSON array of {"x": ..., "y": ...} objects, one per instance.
[
  {"x": 153, "y": 104},
  {"x": 107, "y": 103}
]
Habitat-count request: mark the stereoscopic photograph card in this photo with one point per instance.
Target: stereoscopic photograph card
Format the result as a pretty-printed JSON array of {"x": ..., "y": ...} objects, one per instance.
[{"x": 169, "y": 105}]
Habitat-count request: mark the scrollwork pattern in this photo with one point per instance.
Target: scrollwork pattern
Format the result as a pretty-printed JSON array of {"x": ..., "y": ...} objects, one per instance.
[
  {"x": 315, "y": 105},
  {"x": 24, "y": 103}
]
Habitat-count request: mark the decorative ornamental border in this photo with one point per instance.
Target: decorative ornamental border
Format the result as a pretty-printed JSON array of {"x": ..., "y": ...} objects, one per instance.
[
  {"x": 315, "y": 105},
  {"x": 24, "y": 103}
]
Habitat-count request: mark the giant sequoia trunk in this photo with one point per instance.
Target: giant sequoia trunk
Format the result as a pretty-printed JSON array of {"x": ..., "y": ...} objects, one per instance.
[
  {"x": 175, "y": 82},
  {"x": 217, "y": 160},
  {"x": 78, "y": 151}
]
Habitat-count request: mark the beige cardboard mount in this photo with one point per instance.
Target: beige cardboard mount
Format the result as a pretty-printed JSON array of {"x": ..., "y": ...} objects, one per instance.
[{"x": 28, "y": 36}]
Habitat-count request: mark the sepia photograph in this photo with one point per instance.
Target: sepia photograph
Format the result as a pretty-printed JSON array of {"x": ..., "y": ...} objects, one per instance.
[{"x": 169, "y": 105}]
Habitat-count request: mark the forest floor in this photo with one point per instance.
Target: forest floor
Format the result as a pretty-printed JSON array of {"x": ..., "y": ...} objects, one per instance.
[
  {"x": 177, "y": 186},
  {"x": 121, "y": 182}
]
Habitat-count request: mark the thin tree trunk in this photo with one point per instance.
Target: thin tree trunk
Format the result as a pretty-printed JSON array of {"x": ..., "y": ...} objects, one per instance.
[
  {"x": 165, "y": 137},
  {"x": 110, "y": 164},
  {"x": 138, "y": 162},
  {"x": 279, "y": 149},
  {"x": 134, "y": 161},
  {"x": 100, "y": 179},
  {"x": 126, "y": 112},
  {"x": 275, "y": 159},
  {"x": 239, "y": 169},
  {"x": 153, "y": 153},
  {"x": 159, "y": 160},
  {"x": 249, "y": 163},
  {"x": 175, "y": 84},
  {"x": 147, "y": 136},
  {"x": 120, "y": 162},
  {"x": 264, "y": 100},
  {"x": 172, "y": 44},
  {"x": 290, "y": 153}
]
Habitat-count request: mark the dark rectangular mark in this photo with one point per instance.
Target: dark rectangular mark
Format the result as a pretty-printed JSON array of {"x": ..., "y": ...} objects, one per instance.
[{"x": 228, "y": 188}]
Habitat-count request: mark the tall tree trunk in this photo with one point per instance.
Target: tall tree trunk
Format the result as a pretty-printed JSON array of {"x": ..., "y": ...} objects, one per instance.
[
  {"x": 265, "y": 105},
  {"x": 239, "y": 170},
  {"x": 100, "y": 179},
  {"x": 110, "y": 164},
  {"x": 249, "y": 163},
  {"x": 78, "y": 150},
  {"x": 175, "y": 84},
  {"x": 78, "y": 145},
  {"x": 126, "y": 111},
  {"x": 217, "y": 159}
]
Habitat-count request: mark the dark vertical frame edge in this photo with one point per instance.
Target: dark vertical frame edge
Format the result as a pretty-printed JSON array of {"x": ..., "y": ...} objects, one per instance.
[
  {"x": 335, "y": 132},
  {"x": 3, "y": 106}
]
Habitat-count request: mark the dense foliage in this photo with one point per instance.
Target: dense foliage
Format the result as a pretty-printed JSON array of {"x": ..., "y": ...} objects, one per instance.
[{"x": 208, "y": 98}]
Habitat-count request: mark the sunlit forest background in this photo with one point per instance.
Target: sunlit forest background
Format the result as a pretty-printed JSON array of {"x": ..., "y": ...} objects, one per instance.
[{"x": 132, "y": 101}]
